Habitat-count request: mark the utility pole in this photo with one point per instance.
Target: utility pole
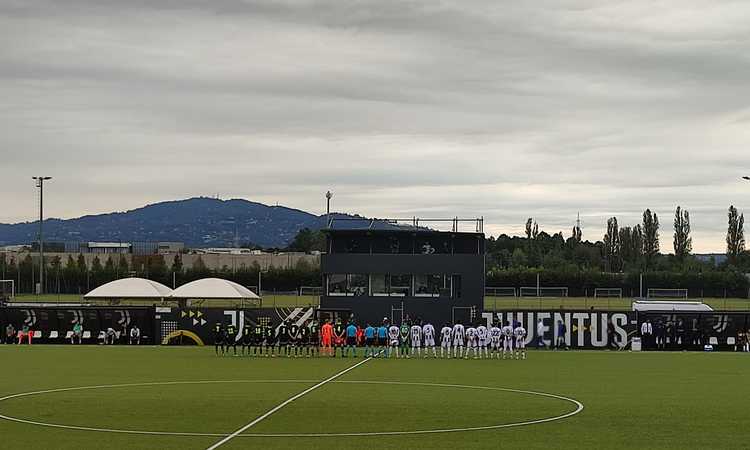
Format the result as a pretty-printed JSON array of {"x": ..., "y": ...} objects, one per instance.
[
  {"x": 329, "y": 196},
  {"x": 40, "y": 184}
]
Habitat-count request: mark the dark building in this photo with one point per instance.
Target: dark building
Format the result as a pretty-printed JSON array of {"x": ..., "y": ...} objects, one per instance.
[{"x": 398, "y": 273}]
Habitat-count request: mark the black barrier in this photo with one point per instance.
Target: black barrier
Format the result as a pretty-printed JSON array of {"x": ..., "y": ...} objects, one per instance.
[
  {"x": 616, "y": 329},
  {"x": 54, "y": 325},
  {"x": 195, "y": 325},
  {"x": 580, "y": 329}
]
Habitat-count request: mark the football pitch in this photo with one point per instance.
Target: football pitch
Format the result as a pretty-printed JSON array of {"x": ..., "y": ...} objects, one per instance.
[{"x": 187, "y": 398}]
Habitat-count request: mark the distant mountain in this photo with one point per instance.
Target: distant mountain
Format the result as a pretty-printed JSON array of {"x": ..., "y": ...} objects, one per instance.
[{"x": 198, "y": 222}]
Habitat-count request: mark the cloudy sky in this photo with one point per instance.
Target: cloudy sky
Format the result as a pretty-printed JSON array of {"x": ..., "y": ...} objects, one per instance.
[{"x": 504, "y": 109}]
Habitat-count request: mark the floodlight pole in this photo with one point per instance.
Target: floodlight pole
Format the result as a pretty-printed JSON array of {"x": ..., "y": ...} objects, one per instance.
[
  {"x": 40, "y": 184},
  {"x": 329, "y": 196}
]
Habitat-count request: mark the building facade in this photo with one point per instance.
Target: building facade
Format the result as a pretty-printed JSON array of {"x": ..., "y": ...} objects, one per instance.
[{"x": 422, "y": 274}]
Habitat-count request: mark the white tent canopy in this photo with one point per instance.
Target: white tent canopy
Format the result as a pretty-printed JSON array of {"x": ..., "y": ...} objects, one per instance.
[
  {"x": 130, "y": 288},
  {"x": 209, "y": 288}
]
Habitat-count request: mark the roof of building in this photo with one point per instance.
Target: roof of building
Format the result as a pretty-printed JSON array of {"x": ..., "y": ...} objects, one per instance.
[
  {"x": 130, "y": 288},
  {"x": 217, "y": 288}
]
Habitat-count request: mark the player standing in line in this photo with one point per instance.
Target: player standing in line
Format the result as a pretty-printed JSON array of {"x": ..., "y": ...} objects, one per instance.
[
  {"x": 445, "y": 340},
  {"x": 258, "y": 339},
  {"x": 247, "y": 339},
  {"x": 294, "y": 338},
  {"x": 351, "y": 340},
  {"x": 339, "y": 335},
  {"x": 326, "y": 333},
  {"x": 383, "y": 338},
  {"x": 393, "y": 333},
  {"x": 369, "y": 341},
  {"x": 416, "y": 340},
  {"x": 507, "y": 331},
  {"x": 428, "y": 333},
  {"x": 496, "y": 335},
  {"x": 304, "y": 340},
  {"x": 471, "y": 342},
  {"x": 232, "y": 338},
  {"x": 404, "y": 338},
  {"x": 270, "y": 339},
  {"x": 282, "y": 338},
  {"x": 458, "y": 340},
  {"x": 313, "y": 341},
  {"x": 218, "y": 338},
  {"x": 482, "y": 340},
  {"x": 520, "y": 333}
]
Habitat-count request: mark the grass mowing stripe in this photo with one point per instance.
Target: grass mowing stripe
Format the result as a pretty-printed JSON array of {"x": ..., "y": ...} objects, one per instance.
[{"x": 284, "y": 403}]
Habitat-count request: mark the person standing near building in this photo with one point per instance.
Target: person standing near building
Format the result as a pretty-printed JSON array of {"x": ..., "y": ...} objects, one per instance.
[
  {"x": 561, "y": 330},
  {"x": 383, "y": 338},
  {"x": 270, "y": 339},
  {"x": 10, "y": 333},
  {"x": 660, "y": 335},
  {"x": 77, "y": 335},
  {"x": 393, "y": 341},
  {"x": 370, "y": 338},
  {"x": 458, "y": 340},
  {"x": 482, "y": 340},
  {"x": 326, "y": 339},
  {"x": 339, "y": 337},
  {"x": 404, "y": 339},
  {"x": 520, "y": 334},
  {"x": 416, "y": 340},
  {"x": 446, "y": 334},
  {"x": 496, "y": 336},
  {"x": 507, "y": 331},
  {"x": 540, "y": 334},
  {"x": 647, "y": 331},
  {"x": 314, "y": 338},
  {"x": 351, "y": 340},
  {"x": 428, "y": 333}
]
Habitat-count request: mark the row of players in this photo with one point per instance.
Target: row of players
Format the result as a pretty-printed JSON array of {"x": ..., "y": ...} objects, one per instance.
[{"x": 387, "y": 340}]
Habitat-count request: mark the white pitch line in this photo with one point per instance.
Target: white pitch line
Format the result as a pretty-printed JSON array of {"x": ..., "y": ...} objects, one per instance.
[{"x": 283, "y": 404}]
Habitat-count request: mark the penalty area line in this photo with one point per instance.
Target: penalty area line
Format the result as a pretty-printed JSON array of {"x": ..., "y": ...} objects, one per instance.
[{"x": 283, "y": 404}]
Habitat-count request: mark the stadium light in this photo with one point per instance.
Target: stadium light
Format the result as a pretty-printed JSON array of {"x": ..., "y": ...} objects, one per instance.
[
  {"x": 40, "y": 184},
  {"x": 329, "y": 196}
]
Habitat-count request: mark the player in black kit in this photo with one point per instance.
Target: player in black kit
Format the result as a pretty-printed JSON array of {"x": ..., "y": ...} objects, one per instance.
[
  {"x": 219, "y": 338},
  {"x": 231, "y": 338},
  {"x": 270, "y": 341},
  {"x": 258, "y": 335},
  {"x": 294, "y": 338}
]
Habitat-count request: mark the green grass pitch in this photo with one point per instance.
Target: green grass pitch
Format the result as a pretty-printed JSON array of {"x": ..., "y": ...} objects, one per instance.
[{"x": 632, "y": 400}]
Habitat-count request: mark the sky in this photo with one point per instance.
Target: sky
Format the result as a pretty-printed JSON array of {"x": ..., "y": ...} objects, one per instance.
[{"x": 500, "y": 109}]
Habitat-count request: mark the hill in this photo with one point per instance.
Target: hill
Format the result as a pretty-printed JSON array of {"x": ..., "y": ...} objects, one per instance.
[{"x": 198, "y": 222}]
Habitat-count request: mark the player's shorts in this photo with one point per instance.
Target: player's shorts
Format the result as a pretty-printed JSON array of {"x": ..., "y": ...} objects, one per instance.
[
  {"x": 339, "y": 341},
  {"x": 520, "y": 343},
  {"x": 471, "y": 343},
  {"x": 351, "y": 341},
  {"x": 394, "y": 343},
  {"x": 283, "y": 341},
  {"x": 416, "y": 344},
  {"x": 370, "y": 342},
  {"x": 429, "y": 342},
  {"x": 445, "y": 343},
  {"x": 496, "y": 342},
  {"x": 247, "y": 340},
  {"x": 326, "y": 341},
  {"x": 458, "y": 342},
  {"x": 217, "y": 340},
  {"x": 483, "y": 343}
]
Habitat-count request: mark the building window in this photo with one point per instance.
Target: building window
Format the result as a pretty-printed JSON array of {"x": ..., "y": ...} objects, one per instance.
[
  {"x": 347, "y": 285},
  {"x": 379, "y": 285},
  {"x": 400, "y": 285},
  {"x": 431, "y": 286}
]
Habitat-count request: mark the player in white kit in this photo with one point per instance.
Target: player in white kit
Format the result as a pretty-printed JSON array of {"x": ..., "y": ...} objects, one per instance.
[
  {"x": 483, "y": 338},
  {"x": 471, "y": 342},
  {"x": 520, "y": 333},
  {"x": 446, "y": 338},
  {"x": 393, "y": 341},
  {"x": 416, "y": 340},
  {"x": 458, "y": 340},
  {"x": 496, "y": 336},
  {"x": 428, "y": 333},
  {"x": 507, "y": 331}
]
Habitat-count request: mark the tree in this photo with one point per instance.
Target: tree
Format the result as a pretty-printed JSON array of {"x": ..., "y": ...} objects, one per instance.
[
  {"x": 308, "y": 240},
  {"x": 631, "y": 245},
  {"x": 650, "y": 237},
  {"x": 577, "y": 234},
  {"x": 735, "y": 235},
  {"x": 532, "y": 229},
  {"x": 683, "y": 243},
  {"x": 612, "y": 254}
]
